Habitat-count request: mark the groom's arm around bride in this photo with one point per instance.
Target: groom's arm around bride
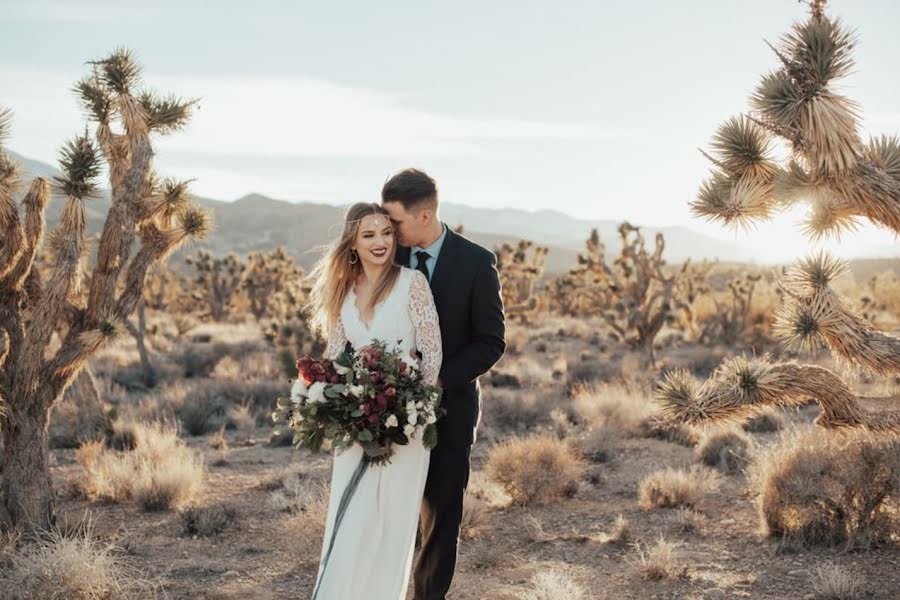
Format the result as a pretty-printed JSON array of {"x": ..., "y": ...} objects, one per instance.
[{"x": 466, "y": 289}]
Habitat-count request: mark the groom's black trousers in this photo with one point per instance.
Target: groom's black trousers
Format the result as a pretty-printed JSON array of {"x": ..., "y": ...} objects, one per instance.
[{"x": 439, "y": 520}]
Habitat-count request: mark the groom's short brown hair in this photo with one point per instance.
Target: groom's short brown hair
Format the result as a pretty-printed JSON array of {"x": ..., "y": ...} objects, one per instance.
[{"x": 412, "y": 188}]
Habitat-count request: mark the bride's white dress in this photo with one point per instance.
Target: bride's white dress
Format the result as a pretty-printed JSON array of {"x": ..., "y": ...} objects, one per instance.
[{"x": 372, "y": 554}]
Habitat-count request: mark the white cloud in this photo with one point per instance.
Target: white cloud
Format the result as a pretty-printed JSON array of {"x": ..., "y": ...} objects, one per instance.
[{"x": 288, "y": 117}]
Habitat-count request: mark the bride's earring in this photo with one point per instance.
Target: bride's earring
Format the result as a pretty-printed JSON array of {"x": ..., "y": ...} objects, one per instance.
[{"x": 354, "y": 256}]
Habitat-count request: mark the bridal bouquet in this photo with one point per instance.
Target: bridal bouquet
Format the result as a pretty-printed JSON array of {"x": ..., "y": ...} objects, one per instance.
[{"x": 370, "y": 396}]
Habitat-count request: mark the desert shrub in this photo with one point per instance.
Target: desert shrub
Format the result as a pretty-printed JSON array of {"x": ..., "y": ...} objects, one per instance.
[
  {"x": 826, "y": 488},
  {"x": 159, "y": 473},
  {"x": 79, "y": 416},
  {"x": 517, "y": 410},
  {"x": 535, "y": 470},
  {"x": 727, "y": 450},
  {"x": 553, "y": 585},
  {"x": 207, "y": 520},
  {"x": 660, "y": 560},
  {"x": 615, "y": 406},
  {"x": 77, "y": 567},
  {"x": 670, "y": 488},
  {"x": 765, "y": 421},
  {"x": 833, "y": 582}
]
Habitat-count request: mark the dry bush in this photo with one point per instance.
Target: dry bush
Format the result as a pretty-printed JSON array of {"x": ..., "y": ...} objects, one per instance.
[
  {"x": 535, "y": 470},
  {"x": 615, "y": 406},
  {"x": 765, "y": 421},
  {"x": 159, "y": 473},
  {"x": 670, "y": 488},
  {"x": 829, "y": 488},
  {"x": 554, "y": 585},
  {"x": 727, "y": 450},
  {"x": 204, "y": 405},
  {"x": 621, "y": 531},
  {"x": 833, "y": 582},
  {"x": 690, "y": 521},
  {"x": 516, "y": 339},
  {"x": 516, "y": 410},
  {"x": 207, "y": 521},
  {"x": 660, "y": 561},
  {"x": 78, "y": 417},
  {"x": 597, "y": 445},
  {"x": 485, "y": 489},
  {"x": 243, "y": 418},
  {"x": 629, "y": 409},
  {"x": 474, "y": 517},
  {"x": 76, "y": 567}
]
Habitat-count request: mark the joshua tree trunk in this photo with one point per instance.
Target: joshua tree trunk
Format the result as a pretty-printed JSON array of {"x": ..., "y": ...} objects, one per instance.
[
  {"x": 139, "y": 333},
  {"x": 26, "y": 490}
]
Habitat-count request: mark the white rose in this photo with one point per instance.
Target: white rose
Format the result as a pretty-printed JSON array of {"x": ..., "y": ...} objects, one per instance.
[
  {"x": 435, "y": 397},
  {"x": 410, "y": 406},
  {"x": 357, "y": 390},
  {"x": 317, "y": 392},
  {"x": 408, "y": 430},
  {"x": 431, "y": 419},
  {"x": 413, "y": 418},
  {"x": 298, "y": 391},
  {"x": 419, "y": 404},
  {"x": 391, "y": 421}
]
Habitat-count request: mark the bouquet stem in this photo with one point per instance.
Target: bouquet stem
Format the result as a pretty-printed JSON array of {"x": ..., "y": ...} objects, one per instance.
[{"x": 375, "y": 453}]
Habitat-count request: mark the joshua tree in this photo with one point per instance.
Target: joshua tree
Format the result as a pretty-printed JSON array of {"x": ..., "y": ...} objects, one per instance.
[
  {"x": 267, "y": 273},
  {"x": 520, "y": 267},
  {"x": 288, "y": 329},
  {"x": 844, "y": 179},
  {"x": 634, "y": 295},
  {"x": 32, "y": 378},
  {"x": 217, "y": 281}
]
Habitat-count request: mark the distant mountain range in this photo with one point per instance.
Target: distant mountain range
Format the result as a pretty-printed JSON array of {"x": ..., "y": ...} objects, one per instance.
[{"x": 257, "y": 222}]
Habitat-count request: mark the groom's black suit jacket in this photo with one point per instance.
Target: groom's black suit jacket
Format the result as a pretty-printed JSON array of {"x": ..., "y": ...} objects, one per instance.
[{"x": 466, "y": 289}]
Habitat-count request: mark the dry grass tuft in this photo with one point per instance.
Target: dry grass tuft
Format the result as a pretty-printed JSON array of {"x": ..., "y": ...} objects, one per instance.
[
  {"x": 160, "y": 473},
  {"x": 671, "y": 488},
  {"x": 727, "y": 450},
  {"x": 207, "y": 521},
  {"x": 833, "y": 582},
  {"x": 621, "y": 531},
  {"x": 77, "y": 567},
  {"x": 614, "y": 406},
  {"x": 535, "y": 470},
  {"x": 554, "y": 585},
  {"x": 660, "y": 561}
]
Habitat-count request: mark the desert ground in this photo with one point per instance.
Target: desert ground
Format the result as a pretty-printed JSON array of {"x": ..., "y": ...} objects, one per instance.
[{"x": 250, "y": 524}]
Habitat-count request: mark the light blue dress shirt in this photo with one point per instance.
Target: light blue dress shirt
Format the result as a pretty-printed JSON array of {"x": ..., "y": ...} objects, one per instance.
[{"x": 433, "y": 251}]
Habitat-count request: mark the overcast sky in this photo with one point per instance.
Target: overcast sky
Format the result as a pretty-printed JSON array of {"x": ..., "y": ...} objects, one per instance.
[{"x": 594, "y": 108}]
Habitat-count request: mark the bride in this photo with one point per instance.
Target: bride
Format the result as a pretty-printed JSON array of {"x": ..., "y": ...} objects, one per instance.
[{"x": 361, "y": 294}]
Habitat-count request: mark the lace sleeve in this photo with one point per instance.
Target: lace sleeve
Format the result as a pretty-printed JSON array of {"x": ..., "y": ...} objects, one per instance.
[
  {"x": 337, "y": 339},
  {"x": 428, "y": 331}
]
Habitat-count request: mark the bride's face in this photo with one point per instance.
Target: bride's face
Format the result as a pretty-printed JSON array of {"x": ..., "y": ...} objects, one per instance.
[{"x": 375, "y": 240}]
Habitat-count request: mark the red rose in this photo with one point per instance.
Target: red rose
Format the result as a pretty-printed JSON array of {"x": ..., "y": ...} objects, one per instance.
[
  {"x": 390, "y": 392},
  {"x": 373, "y": 418}
]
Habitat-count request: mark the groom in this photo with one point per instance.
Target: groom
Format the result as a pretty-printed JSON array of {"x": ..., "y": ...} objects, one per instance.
[{"x": 466, "y": 290}]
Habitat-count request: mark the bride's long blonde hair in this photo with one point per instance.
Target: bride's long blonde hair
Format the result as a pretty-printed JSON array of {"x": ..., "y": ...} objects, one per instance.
[{"x": 334, "y": 275}]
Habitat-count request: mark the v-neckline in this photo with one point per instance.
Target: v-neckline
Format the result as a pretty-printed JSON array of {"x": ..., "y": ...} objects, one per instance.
[{"x": 359, "y": 317}]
